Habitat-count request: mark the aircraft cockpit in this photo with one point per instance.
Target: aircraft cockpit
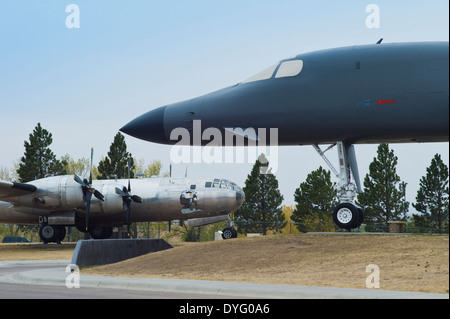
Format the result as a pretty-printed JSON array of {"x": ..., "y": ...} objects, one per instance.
[
  {"x": 283, "y": 69},
  {"x": 224, "y": 184}
]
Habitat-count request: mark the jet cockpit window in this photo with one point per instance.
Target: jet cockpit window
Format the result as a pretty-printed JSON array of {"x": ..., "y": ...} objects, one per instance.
[
  {"x": 289, "y": 68},
  {"x": 285, "y": 69},
  {"x": 263, "y": 75},
  {"x": 216, "y": 183}
]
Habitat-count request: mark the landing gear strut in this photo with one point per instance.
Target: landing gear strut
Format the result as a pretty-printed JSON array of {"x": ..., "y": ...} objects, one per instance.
[
  {"x": 229, "y": 232},
  {"x": 347, "y": 214}
]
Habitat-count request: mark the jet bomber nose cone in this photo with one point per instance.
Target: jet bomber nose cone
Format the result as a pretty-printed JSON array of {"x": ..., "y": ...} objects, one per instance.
[{"x": 148, "y": 127}]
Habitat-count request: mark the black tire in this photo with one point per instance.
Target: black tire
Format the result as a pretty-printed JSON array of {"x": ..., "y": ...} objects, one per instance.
[
  {"x": 47, "y": 233},
  {"x": 61, "y": 233},
  {"x": 52, "y": 234},
  {"x": 80, "y": 224},
  {"x": 229, "y": 233},
  {"x": 346, "y": 215},
  {"x": 102, "y": 233},
  {"x": 361, "y": 216}
]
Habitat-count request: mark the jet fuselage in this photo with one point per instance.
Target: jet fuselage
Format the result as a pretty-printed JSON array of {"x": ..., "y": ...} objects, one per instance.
[{"x": 384, "y": 93}]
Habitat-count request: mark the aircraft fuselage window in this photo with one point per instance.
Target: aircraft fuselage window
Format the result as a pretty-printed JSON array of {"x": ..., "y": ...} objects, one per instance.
[
  {"x": 224, "y": 184},
  {"x": 193, "y": 186},
  {"x": 208, "y": 185},
  {"x": 289, "y": 68},
  {"x": 285, "y": 69},
  {"x": 263, "y": 75}
]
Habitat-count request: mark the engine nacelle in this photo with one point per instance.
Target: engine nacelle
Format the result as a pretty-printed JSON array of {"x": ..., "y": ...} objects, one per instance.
[
  {"x": 113, "y": 202},
  {"x": 60, "y": 192},
  {"x": 63, "y": 193}
]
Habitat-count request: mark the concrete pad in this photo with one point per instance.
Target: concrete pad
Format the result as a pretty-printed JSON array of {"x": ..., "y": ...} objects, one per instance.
[{"x": 107, "y": 251}]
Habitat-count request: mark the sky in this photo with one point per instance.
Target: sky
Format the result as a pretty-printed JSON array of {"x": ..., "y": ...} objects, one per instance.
[{"x": 129, "y": 57}]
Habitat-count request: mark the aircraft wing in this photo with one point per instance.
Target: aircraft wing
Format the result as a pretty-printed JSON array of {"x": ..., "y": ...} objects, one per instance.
[
  {"x": 13, "y": 189},
  {"x": 205, "y": 220}
]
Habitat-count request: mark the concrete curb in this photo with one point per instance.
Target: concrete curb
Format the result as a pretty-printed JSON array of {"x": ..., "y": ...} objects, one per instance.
[
  {"x": 32, "y": 263},
  {"x": 57, "y": 276},
  {"x": 107, "y": 251}
]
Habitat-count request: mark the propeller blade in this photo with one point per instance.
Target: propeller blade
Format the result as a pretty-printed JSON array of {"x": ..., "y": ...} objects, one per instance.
[
  {"x": 129, "y": 164},
  {"x": 88, "y": 190},
  {"x": 128, "y": 211},
  {"x": 79, "y": 180},
  {"x": 99, "y": 195},
  {"x": 120, "y": 192},
  {"x": 128, "y": 216},
  {"x": 127, "y": 197},
  {"x": 90, "y": 173},
  {"x": 136, "y": 199},
  {"x": 88, "y": 208}
]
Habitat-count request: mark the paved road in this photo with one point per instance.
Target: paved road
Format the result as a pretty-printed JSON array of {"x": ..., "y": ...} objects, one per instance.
[
  {"x": 12, "y": 288},
  {"x": 47, "y": 279},
  {"x": 27, "y": 291}
]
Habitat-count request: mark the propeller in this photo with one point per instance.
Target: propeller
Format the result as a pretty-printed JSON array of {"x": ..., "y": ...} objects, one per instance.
[
  {"x": 88, "y": 190},
  {"x": 127, "y": 197}
]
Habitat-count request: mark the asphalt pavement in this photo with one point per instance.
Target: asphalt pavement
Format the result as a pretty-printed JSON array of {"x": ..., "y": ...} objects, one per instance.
[{"x": 53, "y": 278}]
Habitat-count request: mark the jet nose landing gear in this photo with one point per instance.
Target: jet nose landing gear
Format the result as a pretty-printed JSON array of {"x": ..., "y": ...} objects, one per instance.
[{"x": 346, "y": 215}]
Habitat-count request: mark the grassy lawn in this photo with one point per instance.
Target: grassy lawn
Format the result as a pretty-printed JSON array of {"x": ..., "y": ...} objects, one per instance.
[{"x": 406, "y": 262}]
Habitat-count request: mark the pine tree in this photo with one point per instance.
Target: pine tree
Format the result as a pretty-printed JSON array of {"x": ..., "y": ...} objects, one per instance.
[
  {"x": 261, "y": 210},
  {"x": 432, "y": 199},
  {"x": 39, "y": 160},
  {"x": 116, "y": 163},
  {"x": 383, "y": 197},
  {"x": 316, "y": 198}
]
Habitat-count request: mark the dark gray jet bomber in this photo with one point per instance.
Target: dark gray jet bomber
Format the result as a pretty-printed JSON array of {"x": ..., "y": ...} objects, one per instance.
[{"x": 381, "y": 93}]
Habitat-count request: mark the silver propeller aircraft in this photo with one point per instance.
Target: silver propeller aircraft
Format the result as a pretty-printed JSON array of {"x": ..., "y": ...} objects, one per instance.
[
  {"x": 381, "y": 93},
  {"x": 97, "y": 206}
]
